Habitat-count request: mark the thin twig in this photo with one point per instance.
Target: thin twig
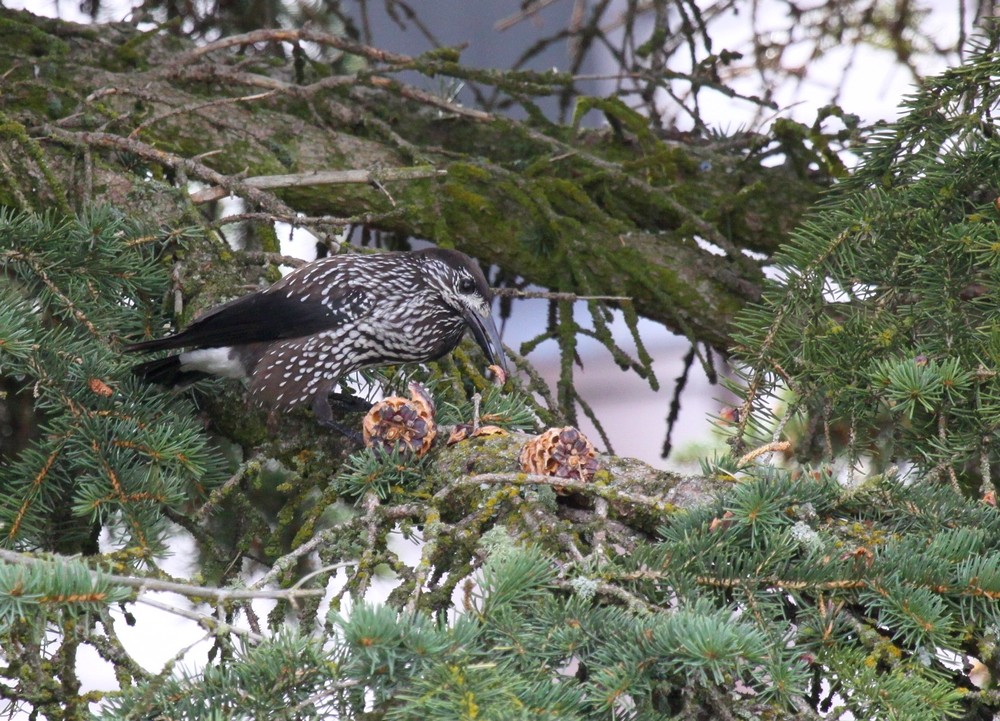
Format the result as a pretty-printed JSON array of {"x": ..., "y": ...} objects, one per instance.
[
  {"x": 258, "y": 257},
  {"x": 423, "y": 568},
  {"x": 293, "y": 36},
  {"x": 320, "y": 571},
  {"x": 371, "y": 524},
  {"x": 532, "y": 518},
  {"x": 528, "y": 11},
  {"x": 601, "y": 534},
  {"x": 225, "y": 74},
  {"x": 766, "y": 448},
  {"x": 426, "y": 98},
  {"x": 553, "y": 295},
  {"x": 329, "y": 535},
  {"x": 206, "y": 620},
  {"x": 631, "y": 600},
  {"x": 295, "y": 220},
  {"x": 222, "y": 491},
  {"x": 321, "y": 177}
]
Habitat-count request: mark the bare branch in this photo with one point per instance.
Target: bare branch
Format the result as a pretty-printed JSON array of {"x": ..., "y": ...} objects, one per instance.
[
  {"x": 322, "y": 177},
  {"x": 275, "y": 35},
  {"x": 527, "y": 11},
  {"x": 553, "y": 295},
  {"x": 205, "y": 620},
  {"x": 429, "y": 99}
]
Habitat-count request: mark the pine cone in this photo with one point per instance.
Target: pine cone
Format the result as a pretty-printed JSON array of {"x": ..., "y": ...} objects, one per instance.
[
  {"x": 402, "y": 421},
  {"x": 560, "y": 452}
]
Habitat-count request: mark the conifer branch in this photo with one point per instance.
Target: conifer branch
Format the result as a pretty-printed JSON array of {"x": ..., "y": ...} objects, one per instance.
[
  {"x": 296, "y": 220},
  {"x": 39, "y": 478},
  {"x": 761, "y": 596},
  {"x": 210, "y": 623},
  {"x": 39, "y": 271},
  {"x": 143, "y": 583},
  {"x": 783, "y": 446}
]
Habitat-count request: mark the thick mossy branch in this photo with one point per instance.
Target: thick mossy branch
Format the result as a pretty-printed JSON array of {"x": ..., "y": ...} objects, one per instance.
[
  {"x": 116, "y": 107},
  {"x": 846, "y": 585}
]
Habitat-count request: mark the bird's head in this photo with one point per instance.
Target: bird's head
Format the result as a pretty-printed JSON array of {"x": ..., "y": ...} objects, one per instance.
[{"x": 463, "y": 288}]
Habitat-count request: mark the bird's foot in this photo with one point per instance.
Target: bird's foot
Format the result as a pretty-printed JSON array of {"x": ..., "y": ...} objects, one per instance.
[
  {"x": 324, "y": 416},
  {"x": 348, "y": 403},
  {"x": 349, "y": 433}
]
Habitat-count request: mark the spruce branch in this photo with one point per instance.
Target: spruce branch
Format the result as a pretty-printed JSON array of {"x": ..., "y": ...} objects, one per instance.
[
  {"x": 555, "y": 295},
  {"x": 142, "y": 584},
  {"x": 875, "y": 322},
  {"x": 36, "y": 267},
  {"x": 215, "y": 625},
  {"x": 657, "y": 607}
]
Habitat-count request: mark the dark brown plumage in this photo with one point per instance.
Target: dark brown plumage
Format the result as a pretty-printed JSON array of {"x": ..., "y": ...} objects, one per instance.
[{"x": 334, "y": 316}]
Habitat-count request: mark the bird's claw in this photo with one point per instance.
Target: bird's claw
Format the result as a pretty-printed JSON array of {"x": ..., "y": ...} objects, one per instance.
[
  {"x": 348, "y": 403},
  {"x": 349, "y": 433}
]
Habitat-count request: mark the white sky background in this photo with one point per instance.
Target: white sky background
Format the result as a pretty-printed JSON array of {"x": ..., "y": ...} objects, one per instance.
[{"x": 635, "y": 417}]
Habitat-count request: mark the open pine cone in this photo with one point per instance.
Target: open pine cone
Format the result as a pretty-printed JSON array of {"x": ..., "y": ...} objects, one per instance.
[
  {"x": 397, "y": 421},
  {"x": 560, "y": 452}
]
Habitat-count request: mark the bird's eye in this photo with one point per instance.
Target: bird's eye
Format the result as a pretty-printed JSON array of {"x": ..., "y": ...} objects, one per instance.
[{"x": 466, "y": 285}]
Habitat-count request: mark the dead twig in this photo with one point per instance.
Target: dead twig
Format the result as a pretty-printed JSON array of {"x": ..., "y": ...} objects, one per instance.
[
  {"x": 277, "y": 35},
  {"x": 322, "y": 177},
  {"x": 428, "y": 99},
  {"x": 555, "y": 295}
]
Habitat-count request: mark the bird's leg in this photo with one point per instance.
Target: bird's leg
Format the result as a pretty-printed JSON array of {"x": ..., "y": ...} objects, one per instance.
[
  {"x": 324, "y": 416},
  {"x": 348, "y": 403}
]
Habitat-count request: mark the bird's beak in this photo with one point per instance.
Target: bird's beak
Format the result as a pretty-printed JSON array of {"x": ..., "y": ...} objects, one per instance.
[{"x": 487, "y": 336}]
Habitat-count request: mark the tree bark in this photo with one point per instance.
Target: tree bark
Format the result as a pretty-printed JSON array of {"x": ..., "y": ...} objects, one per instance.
[{"x": 110, "y": 114}]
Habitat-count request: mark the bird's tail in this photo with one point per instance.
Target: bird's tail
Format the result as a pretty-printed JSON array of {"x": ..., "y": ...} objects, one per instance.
[
  {"x": 154, "y": 344},
  {"x": 167, "y": 372}
]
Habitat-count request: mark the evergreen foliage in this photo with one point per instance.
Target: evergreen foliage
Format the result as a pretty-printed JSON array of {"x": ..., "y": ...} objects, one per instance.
[
  {"x": 108, "y": 454},
  {"x": 783, "y": 592},
  {"x": 884, "y": 323}
]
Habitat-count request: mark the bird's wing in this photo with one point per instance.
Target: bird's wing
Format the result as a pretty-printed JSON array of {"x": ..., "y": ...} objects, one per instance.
[{"x": 263, "y": 317}]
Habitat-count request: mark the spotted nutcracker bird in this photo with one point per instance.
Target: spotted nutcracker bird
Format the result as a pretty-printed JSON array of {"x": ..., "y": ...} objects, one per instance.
[{"x": 331, "y": 317}]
